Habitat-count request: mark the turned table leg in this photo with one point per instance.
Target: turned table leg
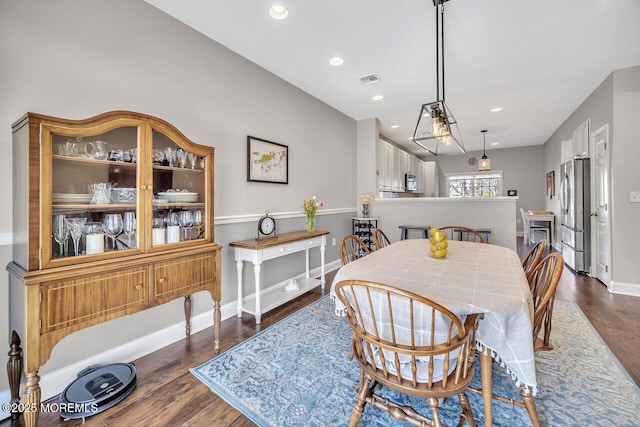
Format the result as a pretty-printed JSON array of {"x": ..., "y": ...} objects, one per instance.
[
  {"x": 187, "y": 315},
  {"x": 487, "y": 392},
  {"x": 14, "y": 372},
  {"x": 31, "y": 399},
  {"x": 217, "y": 318},
  {"x": 529, "y": 403}
]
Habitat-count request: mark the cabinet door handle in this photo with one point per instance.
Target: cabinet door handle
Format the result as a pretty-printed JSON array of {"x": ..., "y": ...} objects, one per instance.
[
  {"x": 161, "y": 280},
  {"x": 138, "y": 287},
  {"x": 143, "y": 187}
]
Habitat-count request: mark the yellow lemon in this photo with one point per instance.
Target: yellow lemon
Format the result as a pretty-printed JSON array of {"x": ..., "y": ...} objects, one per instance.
[
  {"x": 443, "y": 244},
  {"x": 434, "y": 248},
  {"x": 432, "y": 231},
  {"x": 440, "y": 253},
  {"x": 440, "y": 236},
  {"x": 433, "y": 240}
]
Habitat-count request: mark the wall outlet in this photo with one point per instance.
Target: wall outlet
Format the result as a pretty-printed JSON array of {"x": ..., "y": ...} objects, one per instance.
[
  {"x": 634, "y": 197},
  {"x": 333, "y": 241}
]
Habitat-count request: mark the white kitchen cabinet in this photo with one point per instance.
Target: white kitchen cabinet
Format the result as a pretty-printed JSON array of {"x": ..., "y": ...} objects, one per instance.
[
  {"x": 580, "y": 141},
  {"x": 393, "y": 164},
  {"x": 431, "y": 179}
]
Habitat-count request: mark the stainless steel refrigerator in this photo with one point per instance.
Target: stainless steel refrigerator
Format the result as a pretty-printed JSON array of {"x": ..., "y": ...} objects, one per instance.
[{"x": 575, "y": 214}]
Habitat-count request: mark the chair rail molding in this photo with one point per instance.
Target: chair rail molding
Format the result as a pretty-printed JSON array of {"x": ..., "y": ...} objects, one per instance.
[{"x": 237, "y": 219}]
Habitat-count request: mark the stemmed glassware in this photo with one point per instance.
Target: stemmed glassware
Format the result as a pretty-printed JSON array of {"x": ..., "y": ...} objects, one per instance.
[
  {"x": 181, "y": 155},
  {"x": 60, "y": 233},
  {"x": 185, "y": 220},
  {"x": 198, "y": 221},
  {"x": 192, "y": 160},
  {"x": 75, "y": 225},
  {"x": 112, "y": 226},
  {"x": 170, "y": 155},
  {"x": 129, "y": 225}
]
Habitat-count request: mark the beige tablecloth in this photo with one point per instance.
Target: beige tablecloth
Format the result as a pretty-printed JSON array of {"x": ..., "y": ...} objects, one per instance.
[{"x": 473, "y": 278}]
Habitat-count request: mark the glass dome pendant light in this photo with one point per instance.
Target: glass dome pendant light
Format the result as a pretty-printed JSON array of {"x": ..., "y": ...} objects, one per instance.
[{"x": 485, "y": 162}]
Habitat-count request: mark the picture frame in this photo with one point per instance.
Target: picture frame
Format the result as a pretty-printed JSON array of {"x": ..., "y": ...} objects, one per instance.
[
  {"x": 551, "y": 184},
  {"x": 512, "y": 193},
  {"x": 267, "y": 161}
]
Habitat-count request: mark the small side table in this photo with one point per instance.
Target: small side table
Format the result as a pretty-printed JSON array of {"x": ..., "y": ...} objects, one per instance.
[
  {"x": 404, "y": 231},
  {"x": 256, "y": 251}
]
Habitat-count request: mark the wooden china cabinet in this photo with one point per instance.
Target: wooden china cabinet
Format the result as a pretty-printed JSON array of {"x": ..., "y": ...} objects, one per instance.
[{"x": 112, "y": 215}]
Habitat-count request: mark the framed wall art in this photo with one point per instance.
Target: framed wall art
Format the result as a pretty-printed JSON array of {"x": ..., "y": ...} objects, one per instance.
[
  {"x": 551, "y": 184},
  {"x": 267, "y": 161}
]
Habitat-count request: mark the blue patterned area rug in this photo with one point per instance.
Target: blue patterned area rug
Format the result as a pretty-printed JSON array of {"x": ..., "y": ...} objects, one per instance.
[{"x": 297, "y": 373}]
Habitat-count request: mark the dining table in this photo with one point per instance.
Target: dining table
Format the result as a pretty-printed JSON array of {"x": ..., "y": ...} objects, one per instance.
[{"x": 471, "y": 278}]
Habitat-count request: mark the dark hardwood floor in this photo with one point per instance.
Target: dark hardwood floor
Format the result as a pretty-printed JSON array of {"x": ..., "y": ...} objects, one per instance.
[{"x": 168, "y": 395}]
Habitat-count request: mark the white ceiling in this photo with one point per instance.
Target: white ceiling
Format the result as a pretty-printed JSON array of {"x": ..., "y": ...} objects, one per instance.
[{"x": 538, "y": 60}]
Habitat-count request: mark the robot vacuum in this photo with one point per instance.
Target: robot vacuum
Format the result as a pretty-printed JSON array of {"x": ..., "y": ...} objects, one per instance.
[{"x": 97, "y": 389}]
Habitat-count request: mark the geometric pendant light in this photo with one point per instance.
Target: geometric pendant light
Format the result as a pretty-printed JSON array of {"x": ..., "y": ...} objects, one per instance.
[{"x": 436, "y": 124}]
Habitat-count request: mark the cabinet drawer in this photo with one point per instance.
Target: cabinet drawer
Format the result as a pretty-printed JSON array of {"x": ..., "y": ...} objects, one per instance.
[
  {"x": 176, "y": 278},
  {"x": 292, "y": 247},
  {"x": 94, "y": 298}
]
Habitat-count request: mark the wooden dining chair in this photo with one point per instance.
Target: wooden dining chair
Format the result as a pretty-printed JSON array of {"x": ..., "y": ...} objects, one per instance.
[
  {"x": 352, "y": 248},
  {"x": 533, "y": 257},
  {"x": 459, "y": 232},
  {"x": 543, "y": 281},
  {"x": 410, "y": 344},
  {"x": 380, "y": 240}
]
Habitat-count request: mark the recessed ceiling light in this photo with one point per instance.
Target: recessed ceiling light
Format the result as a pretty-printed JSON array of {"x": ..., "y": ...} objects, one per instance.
[
  {"x": 336, "y": 60},
  {"x": 278, "y": 11},
  {"x": 495, "y": 143},
  {"x": 377, "y": 97},
  {"x": 395, "y": 126},
  {"x": 495, "y": 110}
]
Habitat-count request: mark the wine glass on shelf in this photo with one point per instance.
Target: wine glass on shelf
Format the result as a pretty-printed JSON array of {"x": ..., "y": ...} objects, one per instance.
[
  {"x": 192, "y": 160},
  {"x": 170, "y": 155},
  {"x": 185, "y": 220},
  {"x": 198, "y": 222},
  {"x": 60, "y": 233},
  {"x": 181, "y": 155},
  {"x": 75, "y": 225},
  {"x": 129, "y": 226},
  {"x": 112, "y": 224}
]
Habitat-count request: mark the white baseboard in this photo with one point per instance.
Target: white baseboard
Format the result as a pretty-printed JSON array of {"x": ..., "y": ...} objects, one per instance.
[
  {"x": 632, "y": 289},
  {"x": 53, "y": 383}
]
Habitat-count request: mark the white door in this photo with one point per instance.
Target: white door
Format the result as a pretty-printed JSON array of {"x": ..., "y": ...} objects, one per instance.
[{"x": 601, "y": 252}]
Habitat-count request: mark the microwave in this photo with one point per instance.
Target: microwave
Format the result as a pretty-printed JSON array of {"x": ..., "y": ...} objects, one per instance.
[{"x": 410, "y": 182}]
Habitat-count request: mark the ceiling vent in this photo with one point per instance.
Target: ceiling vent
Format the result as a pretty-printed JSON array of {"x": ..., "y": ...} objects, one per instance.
[{"x": 369, "y": 80}]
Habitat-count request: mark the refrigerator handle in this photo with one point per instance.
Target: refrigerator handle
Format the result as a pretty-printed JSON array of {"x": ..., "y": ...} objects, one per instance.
[{"x": 563, "y": 190}]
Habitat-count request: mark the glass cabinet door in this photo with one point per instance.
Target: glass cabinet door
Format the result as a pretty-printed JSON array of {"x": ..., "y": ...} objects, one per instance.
[
  {"x": 94, "y": 203},
  {"x": 179, "y": 191}
]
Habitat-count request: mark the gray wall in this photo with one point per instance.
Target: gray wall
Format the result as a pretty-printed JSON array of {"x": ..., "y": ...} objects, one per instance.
[
  {"x": 76, "y": 59},
  {"x": 523, "y": 170},
  {"x": 616, "y": 101}
]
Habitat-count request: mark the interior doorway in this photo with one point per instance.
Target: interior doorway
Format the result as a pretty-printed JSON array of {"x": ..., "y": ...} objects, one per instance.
[{"x": 600, "y": 217}]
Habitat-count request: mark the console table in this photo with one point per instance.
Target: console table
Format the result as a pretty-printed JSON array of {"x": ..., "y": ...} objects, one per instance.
[{"x": 259, "y": 250}]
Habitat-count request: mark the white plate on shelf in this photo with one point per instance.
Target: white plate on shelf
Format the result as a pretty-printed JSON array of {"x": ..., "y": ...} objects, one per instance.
[
  {"x": 71, "y": 199},
  {"x": 179, "y": 196}
]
